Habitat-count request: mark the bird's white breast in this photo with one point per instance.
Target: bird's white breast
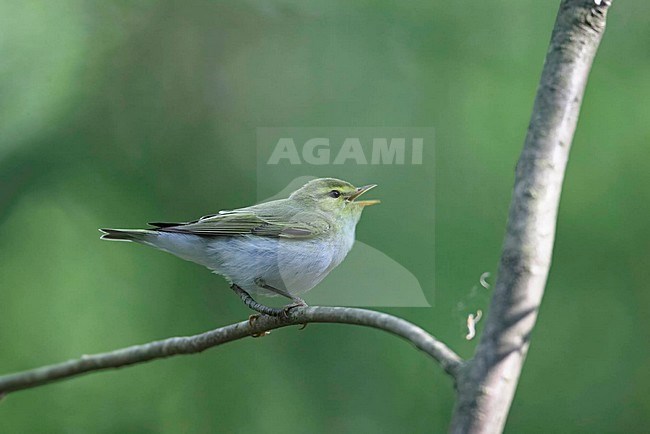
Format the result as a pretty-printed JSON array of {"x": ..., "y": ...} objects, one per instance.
[{"x": 291, "y": 265}]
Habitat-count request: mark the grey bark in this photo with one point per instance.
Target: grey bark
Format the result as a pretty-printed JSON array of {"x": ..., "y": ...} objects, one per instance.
[
  {"x": 422, "y": 340},
  {"x": 487, "y": 383}
]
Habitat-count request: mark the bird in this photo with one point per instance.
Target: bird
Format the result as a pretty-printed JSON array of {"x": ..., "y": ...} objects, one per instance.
[{"x": 282, "y": 248}]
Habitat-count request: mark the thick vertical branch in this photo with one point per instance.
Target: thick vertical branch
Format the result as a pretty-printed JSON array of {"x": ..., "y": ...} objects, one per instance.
[{"x": 487, "y": 383}]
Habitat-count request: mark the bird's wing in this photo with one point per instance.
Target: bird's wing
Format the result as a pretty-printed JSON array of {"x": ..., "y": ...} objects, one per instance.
[{"x": 250, "y": 221}]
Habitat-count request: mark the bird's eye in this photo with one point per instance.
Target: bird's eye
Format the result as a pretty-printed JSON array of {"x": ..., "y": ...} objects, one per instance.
[{"x": 335, "y": 194}]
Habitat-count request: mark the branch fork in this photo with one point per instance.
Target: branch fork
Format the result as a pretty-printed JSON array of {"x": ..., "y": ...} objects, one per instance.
[{"x": 486, "y": 383}]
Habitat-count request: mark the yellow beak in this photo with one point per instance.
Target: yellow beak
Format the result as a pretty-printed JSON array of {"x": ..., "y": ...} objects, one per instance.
[{"x": 359, "y": 192}]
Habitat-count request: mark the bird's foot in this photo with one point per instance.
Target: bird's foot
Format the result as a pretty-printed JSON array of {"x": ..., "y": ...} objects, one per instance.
[
  {"x": 251, "y": 303},
  {"x": 297, "y": 302},
  {"x": 261, "y": 334},
  {"x": 251, "y": 322}
]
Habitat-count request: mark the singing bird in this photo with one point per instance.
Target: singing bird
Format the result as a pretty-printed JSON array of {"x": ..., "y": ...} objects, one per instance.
[{"x": 284, "y": 247}]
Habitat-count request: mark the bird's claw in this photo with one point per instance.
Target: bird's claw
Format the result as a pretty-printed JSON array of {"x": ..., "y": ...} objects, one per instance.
[
  {"x": 287, "y": 309},
  {"x": 252, "y": 318},
  {"x": 261, "y": 334},
  {"x": 251, "y": 323}
]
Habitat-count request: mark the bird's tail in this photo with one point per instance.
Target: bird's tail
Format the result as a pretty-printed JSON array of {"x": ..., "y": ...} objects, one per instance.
[{"x": 137, "y": 235}]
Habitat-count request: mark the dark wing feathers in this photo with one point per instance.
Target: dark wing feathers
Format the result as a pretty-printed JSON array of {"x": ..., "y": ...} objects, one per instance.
[
  {"x": 244, "y": 222},
  {"x": 161, "y": 225}
]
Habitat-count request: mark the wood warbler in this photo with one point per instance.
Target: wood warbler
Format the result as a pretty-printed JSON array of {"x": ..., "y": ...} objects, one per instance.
[{"x": 283, "y": 247}]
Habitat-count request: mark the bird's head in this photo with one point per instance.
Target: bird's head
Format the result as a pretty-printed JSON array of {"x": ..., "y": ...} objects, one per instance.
[{"x": 333, "y": 196}]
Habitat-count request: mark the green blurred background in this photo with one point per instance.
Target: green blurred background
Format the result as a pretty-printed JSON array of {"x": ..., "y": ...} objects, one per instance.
[{"x": 118, "y": 113}]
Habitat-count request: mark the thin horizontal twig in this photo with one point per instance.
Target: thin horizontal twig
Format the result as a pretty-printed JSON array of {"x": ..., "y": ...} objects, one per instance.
[{"x": 449, "y": 361}]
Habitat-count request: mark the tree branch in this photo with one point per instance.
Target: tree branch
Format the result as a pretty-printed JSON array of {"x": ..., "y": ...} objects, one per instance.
[
  {"x": 422, "y": 340},
  {"x": 487, "y": 383}
]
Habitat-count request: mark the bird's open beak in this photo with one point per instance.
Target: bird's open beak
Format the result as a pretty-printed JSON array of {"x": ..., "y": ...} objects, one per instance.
[{"x": 359, "y": 192}]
